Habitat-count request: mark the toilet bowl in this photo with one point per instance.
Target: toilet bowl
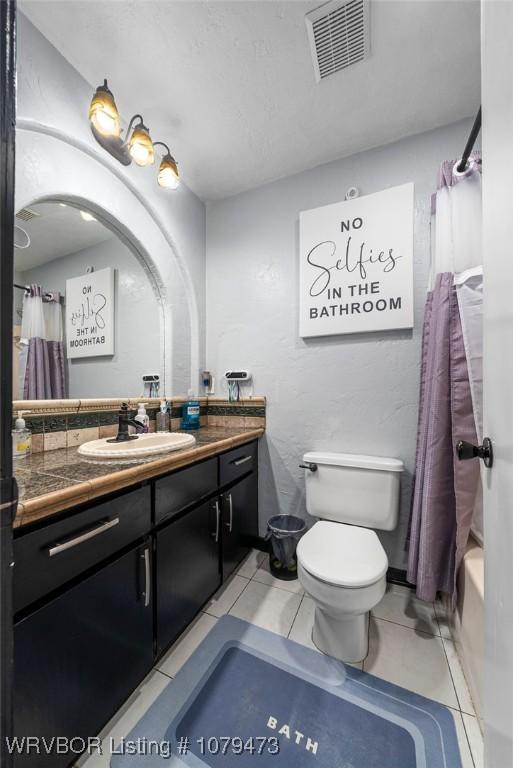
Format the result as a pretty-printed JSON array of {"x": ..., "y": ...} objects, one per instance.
[
  {"x": 343, "y": 569},
  {"x": 341, "y": 563}
]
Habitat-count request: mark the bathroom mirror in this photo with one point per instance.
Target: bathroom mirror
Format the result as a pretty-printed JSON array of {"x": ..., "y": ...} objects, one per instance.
[{"x": 87, "y": 310}]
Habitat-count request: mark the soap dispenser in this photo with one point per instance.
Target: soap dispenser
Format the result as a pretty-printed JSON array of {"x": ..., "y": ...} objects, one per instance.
[
  {"x": 143, "y": 418},
  {"x": 21, "y": 438},
  {"x": 163, "y": 417}
]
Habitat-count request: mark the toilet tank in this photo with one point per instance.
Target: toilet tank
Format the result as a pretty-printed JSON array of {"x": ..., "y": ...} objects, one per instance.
[{"x": 354, "y": 489}]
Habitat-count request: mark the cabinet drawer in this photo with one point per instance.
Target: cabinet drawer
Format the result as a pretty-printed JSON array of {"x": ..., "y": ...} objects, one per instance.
[
  {"x": 183, "y": 488},
  {"x": 49, "y": 557},
  {"x": 238, "y": 462}
]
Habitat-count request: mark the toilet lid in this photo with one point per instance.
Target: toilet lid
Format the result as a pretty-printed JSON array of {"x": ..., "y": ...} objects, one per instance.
[{"x": 345, "y": 555}]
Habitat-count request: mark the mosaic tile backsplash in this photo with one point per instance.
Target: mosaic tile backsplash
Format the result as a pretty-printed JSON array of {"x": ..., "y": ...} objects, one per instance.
[{"x": 67, "y": 424}]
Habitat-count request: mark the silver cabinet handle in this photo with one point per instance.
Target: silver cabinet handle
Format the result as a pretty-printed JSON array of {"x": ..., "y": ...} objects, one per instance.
[
  {"x": 147, "y": 578},
  {"x": 63, "y": 546},
  {"x": 238, "y": 462},
  {"x": 218, "y": 515},
  {"x": 230, "y": 502}
]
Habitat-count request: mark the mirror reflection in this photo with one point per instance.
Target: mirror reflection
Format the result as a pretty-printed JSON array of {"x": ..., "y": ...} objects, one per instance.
[{"x": 86, "y": 313}]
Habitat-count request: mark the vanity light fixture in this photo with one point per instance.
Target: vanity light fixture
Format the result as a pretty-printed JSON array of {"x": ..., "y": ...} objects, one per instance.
[
  {"x": 168, "y": 177},
  {"x": 136, "y": 145}
]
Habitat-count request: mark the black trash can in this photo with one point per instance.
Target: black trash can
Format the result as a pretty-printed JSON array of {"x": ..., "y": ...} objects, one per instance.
[{"x": 284, "y": 532}]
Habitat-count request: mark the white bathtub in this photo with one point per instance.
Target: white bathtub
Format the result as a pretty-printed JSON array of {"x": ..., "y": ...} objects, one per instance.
[{"x": 467, "y": 624}]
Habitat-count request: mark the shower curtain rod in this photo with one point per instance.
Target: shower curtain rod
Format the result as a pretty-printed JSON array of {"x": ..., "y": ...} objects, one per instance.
[
  {"x": 474, "y": 133},
  {"x": 47, "y": 296}
]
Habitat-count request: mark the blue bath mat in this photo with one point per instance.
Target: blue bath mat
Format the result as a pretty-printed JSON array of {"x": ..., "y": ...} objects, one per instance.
[{"x": 248, "y": 697}]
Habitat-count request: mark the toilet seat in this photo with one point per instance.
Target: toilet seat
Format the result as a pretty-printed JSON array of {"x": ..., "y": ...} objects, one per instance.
[{"x": 342, "y": 555}]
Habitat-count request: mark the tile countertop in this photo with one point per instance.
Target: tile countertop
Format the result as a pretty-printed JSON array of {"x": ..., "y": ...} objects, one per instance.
[{"x": 57, "y": 480}]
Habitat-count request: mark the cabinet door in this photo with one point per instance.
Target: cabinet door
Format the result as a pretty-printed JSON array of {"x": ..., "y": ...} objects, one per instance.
[
  {"x": 187, "y": 570},
  {"x": 239, "y": 520},
  {"x": 79, "y": 657}
]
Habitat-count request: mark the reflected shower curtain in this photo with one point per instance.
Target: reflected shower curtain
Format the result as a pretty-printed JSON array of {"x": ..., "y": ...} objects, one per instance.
[
  {"x": 446, "y": 491},
  {"x": 42, "y": 373}
]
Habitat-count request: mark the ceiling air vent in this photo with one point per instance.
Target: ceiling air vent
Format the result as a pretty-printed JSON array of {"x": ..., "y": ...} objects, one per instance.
[
  {"x": 339, "y": 35},
  {"x": 26, "y": 214}
]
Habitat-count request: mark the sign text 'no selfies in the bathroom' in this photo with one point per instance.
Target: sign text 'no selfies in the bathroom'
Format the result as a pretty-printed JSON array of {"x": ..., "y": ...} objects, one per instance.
[
  {"x": 90, "y": 314},
  {"x": 356, "y": 264}
]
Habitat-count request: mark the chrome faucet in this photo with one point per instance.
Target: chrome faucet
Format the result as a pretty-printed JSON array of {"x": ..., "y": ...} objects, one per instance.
[{"x": 125, "y": 420}]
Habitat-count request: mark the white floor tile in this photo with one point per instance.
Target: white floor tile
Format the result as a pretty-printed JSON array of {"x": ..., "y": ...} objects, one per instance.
[
  {"x": 186, "y": 644},
  {"x": 301, "y": 631},
  {"x": 264, "y": 576},
  {"x": 466, "y": 757},
  {"x": 225, "y": 597},
  {"x": 443, "y": 619},
  {"x": 268, "y": 607},
  {"x": 462, "y": 691},
  {"x": 400, "y": 605},
  {"x": 410, "y": 659},
  {"x": 475, "y": 738},
  {"x": 251, "y": 564},
  {"x": 125, "y": 719}
]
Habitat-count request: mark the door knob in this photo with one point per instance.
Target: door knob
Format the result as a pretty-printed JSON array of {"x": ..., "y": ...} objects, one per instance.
[{"x": 466, "y": 450}]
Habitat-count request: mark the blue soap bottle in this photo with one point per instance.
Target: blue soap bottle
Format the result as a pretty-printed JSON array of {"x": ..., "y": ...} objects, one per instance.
[{"x": 191, "y": 412}]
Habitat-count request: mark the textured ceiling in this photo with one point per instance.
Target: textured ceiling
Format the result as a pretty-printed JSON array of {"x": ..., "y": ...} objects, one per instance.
[{"x": 231, "y": 87}]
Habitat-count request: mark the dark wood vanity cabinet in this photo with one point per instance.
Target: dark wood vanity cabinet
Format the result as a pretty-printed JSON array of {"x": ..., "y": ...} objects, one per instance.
[
  {"x": 202, "y": 546},
  {"x": 78, "y": 657},
  {"x": 102, "y": 592},
  {"x": 239, "y": 521},
  {"x": 187, "y": 569}
]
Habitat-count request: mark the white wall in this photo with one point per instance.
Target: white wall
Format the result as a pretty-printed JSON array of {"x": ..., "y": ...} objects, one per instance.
[
  {"x": 57, "y": 155},
  {"x": 497, "y": 90},
  {"x": 136, "y": 321},
  {"x": 351, "y": 393}
]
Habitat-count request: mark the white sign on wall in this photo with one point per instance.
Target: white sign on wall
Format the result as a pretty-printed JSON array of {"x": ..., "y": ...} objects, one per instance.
[
  {"x": 90, "y": 314},
  {"x": 356, "y": 264}
]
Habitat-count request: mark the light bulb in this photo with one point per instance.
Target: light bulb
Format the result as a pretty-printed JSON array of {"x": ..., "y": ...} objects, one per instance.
[
  {"x": 140, "y": 146},
  {"x": 168, "y": 173},
  {"x": 106, "y": 124},
  {"x": 103, "y": 112}
]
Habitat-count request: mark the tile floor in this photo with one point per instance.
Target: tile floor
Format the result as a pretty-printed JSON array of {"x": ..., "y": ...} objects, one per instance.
[{"x": 410, "y": 645}]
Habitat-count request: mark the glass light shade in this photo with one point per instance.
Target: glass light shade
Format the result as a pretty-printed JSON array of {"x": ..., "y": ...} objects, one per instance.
[
  {"x": 168, "y": 173},
  {"x": 103, "y": 112},
  {"x": 140, "y": 146}
]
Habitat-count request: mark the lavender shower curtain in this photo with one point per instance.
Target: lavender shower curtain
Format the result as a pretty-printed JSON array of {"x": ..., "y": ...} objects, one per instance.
[
  {"x": 445, "y": 489},
  {"x": 42, "y": 369}
]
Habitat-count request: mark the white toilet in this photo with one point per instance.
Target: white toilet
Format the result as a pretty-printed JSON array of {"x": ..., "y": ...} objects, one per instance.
[{"x": 341, "y": 563}]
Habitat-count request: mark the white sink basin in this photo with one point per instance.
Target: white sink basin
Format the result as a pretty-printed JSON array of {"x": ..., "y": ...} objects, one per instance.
[{"x": 145, "y": 445}]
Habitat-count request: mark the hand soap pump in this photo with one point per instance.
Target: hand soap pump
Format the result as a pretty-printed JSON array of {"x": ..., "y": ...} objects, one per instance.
[
  {"x": 21, "y": 438},
  {"x": 191, "y": 412},
  {"x": 143, "y": 418},
  {"x": 163, "y": 417}
]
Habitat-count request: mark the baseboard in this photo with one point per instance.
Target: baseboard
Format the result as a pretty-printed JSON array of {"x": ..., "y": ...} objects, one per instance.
[
  {"x": 257, "y": 542},
  {"x": 397, "y": 576}
]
